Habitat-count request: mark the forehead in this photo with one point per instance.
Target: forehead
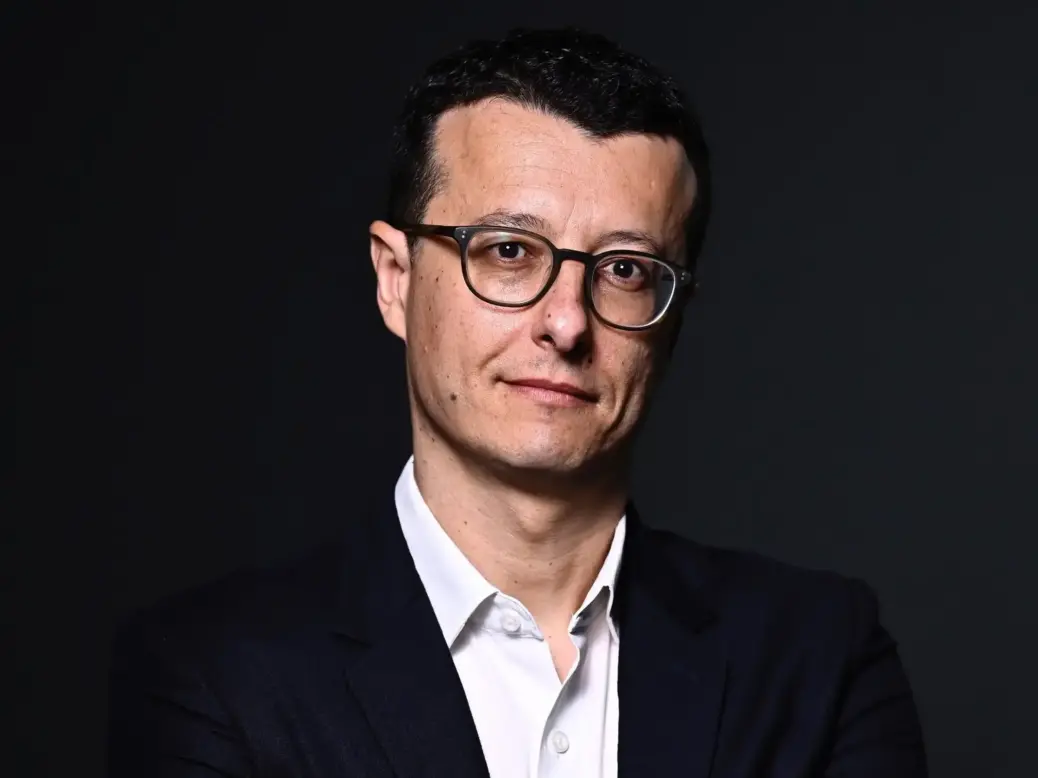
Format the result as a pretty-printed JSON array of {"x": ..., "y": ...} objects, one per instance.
[{"x": 498, "y": 155}]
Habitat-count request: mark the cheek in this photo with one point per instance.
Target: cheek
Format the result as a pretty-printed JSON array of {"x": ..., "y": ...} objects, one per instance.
[
  {"x": 632, "y": 370},
  {"x": 441, "y": 324},
  {"x": 423, "y": 316}
]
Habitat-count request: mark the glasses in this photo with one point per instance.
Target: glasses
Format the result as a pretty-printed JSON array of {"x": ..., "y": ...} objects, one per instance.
[{"x": 513, "y": 268}]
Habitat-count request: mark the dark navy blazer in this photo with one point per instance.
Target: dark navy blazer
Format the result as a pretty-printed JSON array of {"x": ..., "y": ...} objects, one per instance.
[{"x": 731, "y": 666}]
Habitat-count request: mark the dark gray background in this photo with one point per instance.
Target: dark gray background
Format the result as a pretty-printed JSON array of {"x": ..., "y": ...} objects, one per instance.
[{"x": 204, "y": 381}]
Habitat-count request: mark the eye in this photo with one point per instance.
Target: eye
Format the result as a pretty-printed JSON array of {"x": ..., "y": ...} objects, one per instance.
[
  {"x": 508, "y": 250},
  {"x": 626, "y": 270}
]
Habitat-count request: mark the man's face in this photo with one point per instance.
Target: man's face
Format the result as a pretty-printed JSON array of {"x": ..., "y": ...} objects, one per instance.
[{"x": 468, "y": 361}]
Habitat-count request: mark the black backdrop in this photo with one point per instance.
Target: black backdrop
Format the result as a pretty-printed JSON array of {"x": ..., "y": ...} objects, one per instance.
[{"x": 202, "y": 372}]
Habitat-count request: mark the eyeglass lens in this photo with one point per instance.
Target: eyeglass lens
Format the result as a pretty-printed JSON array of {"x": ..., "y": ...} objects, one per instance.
[{"x": 513, "y": 268}]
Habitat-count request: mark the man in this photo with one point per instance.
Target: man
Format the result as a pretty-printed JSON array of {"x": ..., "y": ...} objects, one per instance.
[{"x": 509, "y": 614}]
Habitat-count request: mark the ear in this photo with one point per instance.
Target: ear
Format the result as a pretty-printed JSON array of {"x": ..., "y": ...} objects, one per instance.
[{"x": 392, "y": 262}]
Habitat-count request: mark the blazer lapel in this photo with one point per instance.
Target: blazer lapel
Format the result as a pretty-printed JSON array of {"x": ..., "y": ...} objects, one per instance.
[
  {"x": 672, "y": 667},
  {"x": 404, "y": 677}
]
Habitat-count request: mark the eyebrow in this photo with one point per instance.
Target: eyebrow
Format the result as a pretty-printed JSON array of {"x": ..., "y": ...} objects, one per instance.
[{"x": 522, "y": 220}]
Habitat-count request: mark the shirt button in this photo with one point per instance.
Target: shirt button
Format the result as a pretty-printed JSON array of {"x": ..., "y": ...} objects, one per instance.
[
  {"x": 510, "y": 623},
  {"x": 560, "y": 742}
]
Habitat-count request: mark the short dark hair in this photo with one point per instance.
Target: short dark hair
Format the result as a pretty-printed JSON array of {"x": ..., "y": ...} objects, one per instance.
[{"x": 570, "y": 73}]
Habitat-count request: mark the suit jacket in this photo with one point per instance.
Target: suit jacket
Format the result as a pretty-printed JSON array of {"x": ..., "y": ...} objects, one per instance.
[{"x": 731, "y": 666}]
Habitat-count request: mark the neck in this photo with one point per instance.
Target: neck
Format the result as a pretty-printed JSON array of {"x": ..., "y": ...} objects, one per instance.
[{"x": 540, "y": 538}]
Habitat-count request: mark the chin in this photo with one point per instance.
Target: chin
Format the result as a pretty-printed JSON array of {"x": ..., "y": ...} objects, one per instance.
[
  {"x": 539, "y": 453},
  {"x": 539, "y": 461}
]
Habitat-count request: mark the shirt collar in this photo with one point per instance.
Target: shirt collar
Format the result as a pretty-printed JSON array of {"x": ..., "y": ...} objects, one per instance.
[
  {"x": 454, "y": 586},
  {"x": 607, "y": 575}
]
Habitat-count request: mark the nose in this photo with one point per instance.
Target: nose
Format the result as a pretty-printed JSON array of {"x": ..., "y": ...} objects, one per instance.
[{"x": 562, "y": 315}]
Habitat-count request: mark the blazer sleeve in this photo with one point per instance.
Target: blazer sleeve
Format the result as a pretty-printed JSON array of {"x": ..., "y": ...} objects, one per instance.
[
  {"x": 878, "y": 730},
  {"x": 165, "y": 721}
]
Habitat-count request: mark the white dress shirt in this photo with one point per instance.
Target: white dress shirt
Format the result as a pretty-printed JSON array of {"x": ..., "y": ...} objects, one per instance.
[{"x": 530, "y": 724}]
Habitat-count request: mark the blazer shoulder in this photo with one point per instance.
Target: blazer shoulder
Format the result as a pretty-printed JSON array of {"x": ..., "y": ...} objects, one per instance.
[
  {"x": 753, "y": 582},
  {"x": 251, "y": 603}
]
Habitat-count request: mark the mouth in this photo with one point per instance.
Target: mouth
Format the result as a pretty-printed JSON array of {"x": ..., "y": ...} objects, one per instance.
[{"x": 553, "y": 392}]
